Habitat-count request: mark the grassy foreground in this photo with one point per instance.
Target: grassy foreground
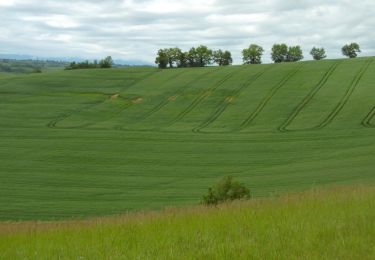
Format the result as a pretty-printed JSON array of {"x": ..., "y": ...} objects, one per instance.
[{"x": 334, "y": 223}]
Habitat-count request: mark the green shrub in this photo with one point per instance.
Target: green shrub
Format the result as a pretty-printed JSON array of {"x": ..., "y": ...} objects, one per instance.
[
  {"x": 226, "y": 189},
  {"x": 37, "y": 70}
]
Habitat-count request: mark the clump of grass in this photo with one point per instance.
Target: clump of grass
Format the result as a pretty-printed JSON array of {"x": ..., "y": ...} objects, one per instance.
[{"x": 335, "y": 223}]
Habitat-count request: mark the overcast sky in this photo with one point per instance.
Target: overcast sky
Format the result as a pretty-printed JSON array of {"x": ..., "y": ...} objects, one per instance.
[{"x": 135, "y": 29}]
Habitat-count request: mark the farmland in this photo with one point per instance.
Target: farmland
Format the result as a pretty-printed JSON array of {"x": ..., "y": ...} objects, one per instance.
[{"x": 99, "y": 142}]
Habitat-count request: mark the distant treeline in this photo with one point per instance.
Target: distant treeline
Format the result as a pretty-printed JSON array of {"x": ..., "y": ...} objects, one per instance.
[
  {"x": 203, "y": 56},
  {"x": 28, "y": 66},
  {"x": 103, "y": 64}
]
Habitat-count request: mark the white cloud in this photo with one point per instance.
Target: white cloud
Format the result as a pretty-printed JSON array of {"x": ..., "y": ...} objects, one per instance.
[
  {"x": 7, "y": 2},
  {"x": 57, "y": 21},
  {"x": 135, "y": 29}
]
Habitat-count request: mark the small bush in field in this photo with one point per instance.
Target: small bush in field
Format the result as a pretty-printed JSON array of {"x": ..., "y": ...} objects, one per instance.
[{"x": 226, "y": 189}]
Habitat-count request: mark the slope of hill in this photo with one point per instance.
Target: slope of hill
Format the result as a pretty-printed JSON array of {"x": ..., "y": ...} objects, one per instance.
[
  {"x": 319, "y": 224},
  {"x": 94, "y": 142}
]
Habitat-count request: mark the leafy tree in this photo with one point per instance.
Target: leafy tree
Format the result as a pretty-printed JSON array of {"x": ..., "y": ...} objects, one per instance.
[
  {"x": 226, "y": 189},
  {"x": 162, "y": 59},
  {"x": 191, "y": 57},
  {"x": 227, "y": 58},
  {"x": 106, "y": 62},
  {"x": 173, "y": 55},
  {"x": 294, "y": 54},
  {"x": 253, "y": 54},
  {"x": 37, "y": 70},
  {"x": 279, "y": 53},
  {"x": 318, "y": 53},
  {"x": 182, "y": 59},
  {"x": 200, "y": 56},
  {"x": 222, "y": 58},
  {"x": 351, "y": 50}
]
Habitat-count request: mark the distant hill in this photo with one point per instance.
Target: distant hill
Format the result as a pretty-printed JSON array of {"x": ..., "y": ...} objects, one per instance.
[
  {"x": 29, "y": 66},
  {"x": 71, "y": 59}
]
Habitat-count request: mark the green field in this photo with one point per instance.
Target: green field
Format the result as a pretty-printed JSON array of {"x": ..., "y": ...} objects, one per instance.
[
  {"x": 99, "y": 142},
  {"x": 320, "y": 224}
]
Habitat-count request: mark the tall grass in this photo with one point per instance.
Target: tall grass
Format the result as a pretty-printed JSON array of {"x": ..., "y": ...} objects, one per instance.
[{"x": 335, "y": 223}]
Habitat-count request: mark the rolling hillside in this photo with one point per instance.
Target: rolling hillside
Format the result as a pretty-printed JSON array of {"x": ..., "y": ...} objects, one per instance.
[{"x": 100, "y": 142}]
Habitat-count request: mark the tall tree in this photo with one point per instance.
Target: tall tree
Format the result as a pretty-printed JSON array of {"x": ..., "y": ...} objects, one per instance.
[
  {"x": 351, "y": 50},
  {"x": 200, "y": 56},
  {"x": 173, "y": 55},
  {"x": 203, "y": 56},
  {"x": 318, "y": 53},
  {"x": 222, "y": 58},
  {"x": 191, "y": 57},
  {"x": 253, "y": 54},
  {"x": 279, "y": 52},
  {"x": 162, "y": 59},
  {"x": 106, "y": 62},
  {"x": 294, "y": 54},
  {"x": 182, "y": 60}
]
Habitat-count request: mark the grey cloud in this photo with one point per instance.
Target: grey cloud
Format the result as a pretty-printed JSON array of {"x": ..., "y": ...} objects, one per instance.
[{"x": 130, "y": 29}]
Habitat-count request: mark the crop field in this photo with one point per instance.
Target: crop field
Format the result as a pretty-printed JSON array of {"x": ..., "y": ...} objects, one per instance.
[{"x": 99, "y": 142}]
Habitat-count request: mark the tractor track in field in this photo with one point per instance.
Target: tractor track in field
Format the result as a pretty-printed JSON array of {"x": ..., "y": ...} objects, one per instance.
[
  {"x": 346, "y": 96},
  {"x": 225, "y": 103},
  {"x": 366, "y": 122},
  {"x": 268, "y": 97},
  {"x": 202, "y": 96},
  {"x": 308, "y": 98},
  {"x": 53, "y": 123},
  {"x": 131, "y": 103},
  {"x": 178, "y": 92}
]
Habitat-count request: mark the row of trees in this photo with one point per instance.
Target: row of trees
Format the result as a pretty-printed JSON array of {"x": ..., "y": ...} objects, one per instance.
[
  {"x": 200, "y": 56},
  {"x": 283, "y": 53},
  {"x": 203, "y": 56},
  {"x": 103, "y": 64},
  {"x": 280, "y": 53}
]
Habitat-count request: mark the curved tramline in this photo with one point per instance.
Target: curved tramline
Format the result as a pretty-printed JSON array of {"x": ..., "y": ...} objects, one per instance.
[
  {"x": 204, "y": 94},
  {"x": 346, "y": 96},
  {"x": 53, "y": 123},
  {"x": 308, "y": 98},
  {"x": 167, "y": 100},
  {"x": 223, "y": 105},
  {"x": 267, "y": 98},
  {"x": 367, "y": 121},
  {"x": 96, "y": 105},
  {"x": 93, "y": 109},
  {"x": 90, "y": 105}
]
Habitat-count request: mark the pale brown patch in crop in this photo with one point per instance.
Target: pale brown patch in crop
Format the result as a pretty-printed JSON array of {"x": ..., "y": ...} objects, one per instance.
[
  {"x": 137, "y": 100},
  {"x": 230, "y": 99},
  {"x": 208, "y": 93},
  {"x": 172, "y": 98},
  {"x": 115, "y": 96}
]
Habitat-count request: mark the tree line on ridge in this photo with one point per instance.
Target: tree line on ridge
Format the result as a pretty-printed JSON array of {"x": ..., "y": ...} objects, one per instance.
[{"x": 202, "y": 56}]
